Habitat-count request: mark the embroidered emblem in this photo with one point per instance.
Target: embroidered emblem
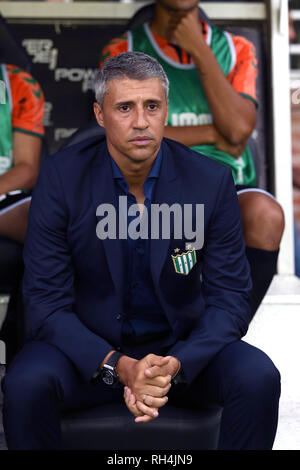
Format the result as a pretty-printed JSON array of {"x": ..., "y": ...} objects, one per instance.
[{"x": 185, "y": 262}]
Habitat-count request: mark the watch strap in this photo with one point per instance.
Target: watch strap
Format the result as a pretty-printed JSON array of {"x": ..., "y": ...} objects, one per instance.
[
  {"x": 110, "y": 363},
  {"x": 113, "y": 359}
]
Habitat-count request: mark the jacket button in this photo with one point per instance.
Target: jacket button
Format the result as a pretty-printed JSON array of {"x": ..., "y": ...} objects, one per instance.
[{"x": 119, "y": 317}]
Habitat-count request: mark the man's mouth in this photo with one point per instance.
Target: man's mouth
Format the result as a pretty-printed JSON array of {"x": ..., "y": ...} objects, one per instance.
[{"x": 141, "y": 140}]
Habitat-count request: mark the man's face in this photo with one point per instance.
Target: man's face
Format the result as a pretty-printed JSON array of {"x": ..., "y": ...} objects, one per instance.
[
  {"x": 178, "y": 5},
  {"x": 134, "y": 113}
]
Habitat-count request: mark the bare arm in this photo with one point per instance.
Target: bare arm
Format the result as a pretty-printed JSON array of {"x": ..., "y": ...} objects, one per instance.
[
  {"x": 192, "y": 135},
  {"x": 26, "y": 153},
  {"x": 208, "y": 134},
  {"x": 234, "y": 116}
]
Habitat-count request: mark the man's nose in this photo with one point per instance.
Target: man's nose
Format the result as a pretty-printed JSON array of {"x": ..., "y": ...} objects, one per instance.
[{"x": 140, "y": 119}]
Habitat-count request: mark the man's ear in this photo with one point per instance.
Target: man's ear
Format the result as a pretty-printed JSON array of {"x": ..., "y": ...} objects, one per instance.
[{"x": 98, "y": 114}]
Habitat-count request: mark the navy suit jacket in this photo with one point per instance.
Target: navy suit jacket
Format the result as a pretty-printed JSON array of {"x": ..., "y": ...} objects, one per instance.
[{"x": 73, "y": 282}]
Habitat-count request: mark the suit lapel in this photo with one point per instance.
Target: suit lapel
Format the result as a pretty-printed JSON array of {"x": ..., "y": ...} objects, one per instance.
[
  {"x": 168, "y": 191},
  {"x": 103, "y": 192}
]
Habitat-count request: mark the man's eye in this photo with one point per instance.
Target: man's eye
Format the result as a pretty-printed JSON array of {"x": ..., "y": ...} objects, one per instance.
[
  {"x": 124, "y": 108},
  {"x": 152, "y": 106}
]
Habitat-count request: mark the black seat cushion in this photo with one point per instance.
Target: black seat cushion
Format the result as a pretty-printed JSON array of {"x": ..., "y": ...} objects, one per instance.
[{"x": 112, "y": 427}]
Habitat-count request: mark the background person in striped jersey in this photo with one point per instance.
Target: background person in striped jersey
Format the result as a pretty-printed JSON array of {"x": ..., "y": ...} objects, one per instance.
[{"x": 212, "y": 109}]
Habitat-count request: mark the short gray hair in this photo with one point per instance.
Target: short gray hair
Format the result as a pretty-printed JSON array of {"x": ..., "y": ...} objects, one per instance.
[{"x": 132, "y": 65}]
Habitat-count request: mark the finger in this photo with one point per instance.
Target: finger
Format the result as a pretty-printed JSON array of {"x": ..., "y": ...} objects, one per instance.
[
  {"x": 153, "y": 391},
  {"x": 127, "y": 400},
  {"x": 139, "y": 416},
  {"x": 172, "y": 26},
  {"x": 128, "y": 394},
  {"x": 158, "y": 366},
  {"x": 143, "y": 419},
  {"x": 153, "y": 371},
  {"x": 154, "y": 360},
  {"x": 155, "y": 402},
  {"x": 146, "y": 410},
  {"x": 130, "y": 401},
  {"x": 160, "y": 381}
]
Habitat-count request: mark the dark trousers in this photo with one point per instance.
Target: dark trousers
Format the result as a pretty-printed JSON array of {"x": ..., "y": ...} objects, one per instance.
[{"x": 41, "y": 381}]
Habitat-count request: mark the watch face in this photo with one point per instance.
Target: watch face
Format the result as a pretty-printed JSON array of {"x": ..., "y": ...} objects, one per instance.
[{"x": 108, "y": 377}]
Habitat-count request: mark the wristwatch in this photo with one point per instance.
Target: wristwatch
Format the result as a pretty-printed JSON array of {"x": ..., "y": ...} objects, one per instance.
[{"x": 107, "y": 373}]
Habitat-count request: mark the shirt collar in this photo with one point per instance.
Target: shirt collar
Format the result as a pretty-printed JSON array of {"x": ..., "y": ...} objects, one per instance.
[{"x": 154, "y": 172}]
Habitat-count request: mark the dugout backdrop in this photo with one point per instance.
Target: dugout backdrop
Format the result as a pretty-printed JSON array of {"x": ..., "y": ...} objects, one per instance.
[
  {"x": 65, "y": 57},
  {"x": 64, "y": 60}
]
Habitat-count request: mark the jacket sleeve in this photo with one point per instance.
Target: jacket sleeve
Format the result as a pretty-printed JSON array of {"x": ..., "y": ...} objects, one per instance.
[
  {"x": 226, "y": 285},
  {"x": 48, "y": 284}
]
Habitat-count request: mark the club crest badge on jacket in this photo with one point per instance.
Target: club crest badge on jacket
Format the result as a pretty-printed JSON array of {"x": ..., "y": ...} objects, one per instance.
[{"x": 184, "y": 262}]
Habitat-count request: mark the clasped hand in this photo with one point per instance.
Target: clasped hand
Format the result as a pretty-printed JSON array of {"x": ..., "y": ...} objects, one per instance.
[{"x": 147, "y": 386}]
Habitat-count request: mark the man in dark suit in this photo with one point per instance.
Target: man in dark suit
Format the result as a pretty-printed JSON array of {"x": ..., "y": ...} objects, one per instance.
[{"x": 116, "y": 296}]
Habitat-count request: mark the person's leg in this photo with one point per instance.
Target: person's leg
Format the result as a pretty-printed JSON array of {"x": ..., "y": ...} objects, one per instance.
[
  {"x": 263, "y": 225},
  {"x": 40, "y": 382},
  {"x": 244, "y": 381}
]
